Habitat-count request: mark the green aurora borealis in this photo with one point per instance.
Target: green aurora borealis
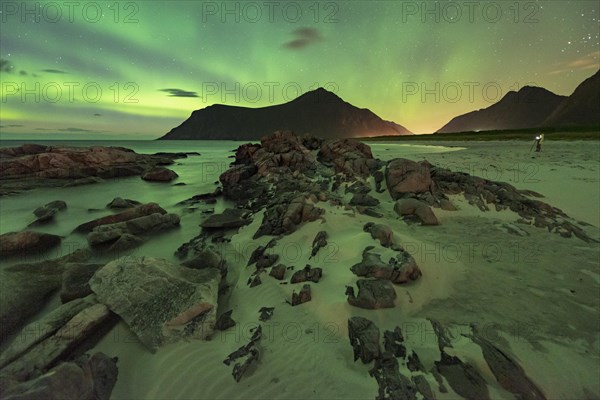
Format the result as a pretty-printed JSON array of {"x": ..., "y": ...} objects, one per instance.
[{"x": 168, "y": 58}]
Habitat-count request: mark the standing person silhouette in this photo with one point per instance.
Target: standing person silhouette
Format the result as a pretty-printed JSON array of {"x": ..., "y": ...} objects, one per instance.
[{"x": 538, "y": 143}]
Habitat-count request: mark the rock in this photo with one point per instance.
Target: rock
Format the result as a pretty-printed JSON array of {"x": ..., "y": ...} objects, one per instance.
[
  {"x": 61, "y": 345},
  {"x": 224, "y": 321},
  {"x": 26, "y": 242},
  {"x": 159, "y": 174},
  {"x": 401, "y": 269},
  {"x": 136, "y": 212},
  {"x": 415, "y": 207},
  {"x": 75, "y": 281},
  {"x": 249, "y": 351},
  {"x": 124, "y": 235},
  {"x": 46, "y": 213},
  {"x": 393, "y": 342},
  {"x": 266, "y": 260},
  {"x": 423, "y": 387},
  {"x": 349, "y": 156},
  {"x": 378, "y": 176},
  {"x": 364, "y": 338},
  {"x": 32, "y": 166},
  {"x": 41, "y": 329},
  {"x": 414, "y": 363},
  {"x": 380, "y": 232},
  {"x": 302, "y": 297},
  {"x": 284, "y": 216},
  {"x": 161, "y": 302},
  {"x": 254, "y": 282},
  {"x": 266, "y": 313},
  {"x": 92, "y": 378},
  {"x": 26, "y": 288},
  {"x": 259, "y": 252},
  {"x": 360, "y": 199},
  {"x": 509, "y": 374},
  {"x": 405, "y": 176},
  {"x": 463, "y": 378},
  {"x": 207, "y": 258},
  {"x": 372, "y": 294},
  {"x": 226, "y": 220},
  {"x": 319, "y": 242},
  {"x": 307, "y": 274},
  {"x": 446, "y": 205},
  {"x": 392, "y": 384},
  {"x": 119, "y": 202},
  {"x": 278, "y": 272}
]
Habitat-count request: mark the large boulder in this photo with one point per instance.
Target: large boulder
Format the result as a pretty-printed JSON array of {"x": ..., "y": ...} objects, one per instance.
[
  {"x": 46, "y": 213},
  {"x": 136, "y": 212},
  {"x": 26, "y": 242},
  {"x": 284, "y": 216},
  {"x": 161, "y": 302},
  {"x": 372, "y": 294},
  {"x": 406, "y": 176},
  {"x": 400, "y": 269},
  {"x": 159, "y": 174},
  {"x": 119, "y": 202},
  {"x": 417, "y": 208},
  {"x": 230, "y": 218},
  {"x": 349, "y": 156}
]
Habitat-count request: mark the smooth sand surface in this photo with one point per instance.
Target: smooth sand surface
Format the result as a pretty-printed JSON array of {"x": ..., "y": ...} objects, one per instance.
[{"x": 536, "y": 297}]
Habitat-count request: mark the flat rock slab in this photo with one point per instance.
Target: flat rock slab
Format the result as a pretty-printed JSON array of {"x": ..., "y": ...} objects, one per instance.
[
  {"x": 136, "y": 212},
  {"x": 161, "y": 302}
]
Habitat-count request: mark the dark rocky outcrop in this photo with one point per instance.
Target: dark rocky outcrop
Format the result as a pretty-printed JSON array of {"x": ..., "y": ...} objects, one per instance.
[
  {"x": 410, "y": 206},
  {"x": 136, "y": 212},
  {"x": 224, "y": 321},
  {"x": 46, "y": 213},
  {"x": 31, "y": 165},
  {"x": 26, "y": 242},
  {"x": 119, "y": 202},
  {"x": 400, "y": 269},
  {"x": 372, "y": 294},
  {"x": 278, "y": 272},
  {"x": 303, "y": 296},
  {"x": 307, "y": 274},
  {"x": 392, "y": 384},
  {"x": 130, "y": 233},
  {"x": 249, "y": 351},
  {"x": 319, "y": 242},
  {"x": 404, "y": 176},
  {"x": 87, "y": 378},
  {"x": 159, "y": 174},
  {"x": 364, "y": 338}
]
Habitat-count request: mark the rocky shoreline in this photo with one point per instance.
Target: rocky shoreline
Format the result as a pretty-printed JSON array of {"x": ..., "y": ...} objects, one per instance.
[{"x": 279, "y": 186}]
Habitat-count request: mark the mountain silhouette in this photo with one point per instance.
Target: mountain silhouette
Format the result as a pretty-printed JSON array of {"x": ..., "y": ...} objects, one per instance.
[
  {"x": 582, "y": 108},
  {"x": 527, "y": 108},
  {"x": 318, "y": 112}
]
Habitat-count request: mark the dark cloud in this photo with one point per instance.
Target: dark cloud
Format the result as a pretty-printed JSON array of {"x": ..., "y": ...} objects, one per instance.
[
  {"x": 75, "y": 130},
  {"x": 12, "y": 126},
  {"x": 179, "y": 93},
  {"x": 97, "y": 115},
  {"x": 54, "y": 71},
  {"x": 303, "y": 37},
  {"x": 22, "y": 72}
]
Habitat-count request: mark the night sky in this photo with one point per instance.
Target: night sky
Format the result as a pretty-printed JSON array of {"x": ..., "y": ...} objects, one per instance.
[{"x": 127, "y": 70}]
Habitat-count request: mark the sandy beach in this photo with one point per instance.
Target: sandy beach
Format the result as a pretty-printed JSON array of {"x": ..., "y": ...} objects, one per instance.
[
  {"x": 532, "y": 293},
  {"x": 536, "y": 296}
]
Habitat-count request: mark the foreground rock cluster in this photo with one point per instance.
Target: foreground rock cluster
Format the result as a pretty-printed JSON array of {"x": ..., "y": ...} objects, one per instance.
[
  {"x": 31, "y": 165},
  {"x": 464, "y": 378}
]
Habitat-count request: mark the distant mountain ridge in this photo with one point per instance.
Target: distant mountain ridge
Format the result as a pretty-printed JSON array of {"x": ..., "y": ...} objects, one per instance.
[
  {"x": 318, "y": 112},
  {"x": 535, "y": 107},
  {"x": 527, "y": 108},
  {"x": 582, "y": 108}
]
